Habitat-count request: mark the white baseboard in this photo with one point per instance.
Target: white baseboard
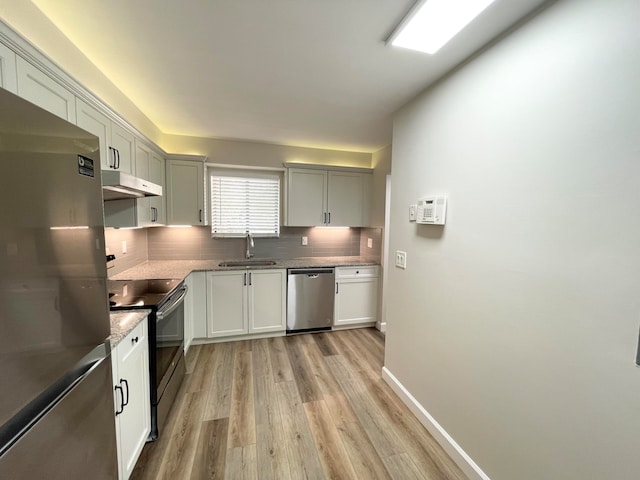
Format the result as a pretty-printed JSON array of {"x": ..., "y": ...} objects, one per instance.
[{"x": 464, "y": 461}]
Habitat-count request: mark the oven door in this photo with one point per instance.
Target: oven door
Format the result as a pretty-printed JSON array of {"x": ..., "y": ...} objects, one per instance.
[{"x": 169, "y": 338}]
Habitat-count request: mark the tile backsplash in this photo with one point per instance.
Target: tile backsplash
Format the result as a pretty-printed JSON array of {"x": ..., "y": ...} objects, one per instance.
[
  {"x": 195, "y": 243},
  {"x": 136, "y": 244}
]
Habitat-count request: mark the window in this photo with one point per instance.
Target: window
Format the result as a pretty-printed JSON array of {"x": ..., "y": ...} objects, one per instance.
[{"x": 244, "y": 203}]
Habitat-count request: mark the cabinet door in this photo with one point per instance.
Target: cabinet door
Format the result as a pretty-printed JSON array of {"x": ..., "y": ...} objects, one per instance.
[
  {"x": 195, "y": 308},
  {"x": 345, "y": 199},
  {"x": 226, "y": 303},
  {"x": 185, "y": 193},
  {"x": 133, "y": 424},
  {"x": 156, "y": 175},
  {"x": 37, "y": 87},
  {"x": 8, "y": 76},
  {"x": 124, "y": 143},
  {"x": 95, "y": 122},
  {"x": 356, "y": 301},
  {"x": 306, "y": 197},
  {"x": 143, "y": 155},
  {"x": 267, "y": 301},
  {"x": 143, "y": 205}
]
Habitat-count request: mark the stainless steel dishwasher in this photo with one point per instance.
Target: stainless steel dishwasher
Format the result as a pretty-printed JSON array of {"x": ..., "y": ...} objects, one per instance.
[{"x": 310, "y": 299}]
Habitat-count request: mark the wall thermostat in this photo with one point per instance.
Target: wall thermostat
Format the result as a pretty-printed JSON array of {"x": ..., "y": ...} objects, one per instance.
[{"x": 432, "y": 210}]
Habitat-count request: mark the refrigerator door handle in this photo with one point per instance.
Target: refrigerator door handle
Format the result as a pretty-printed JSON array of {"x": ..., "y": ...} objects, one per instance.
[{"x": 12, "y": 430}]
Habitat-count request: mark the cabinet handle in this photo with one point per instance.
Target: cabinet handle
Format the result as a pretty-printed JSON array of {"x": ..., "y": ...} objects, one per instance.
[
  {"x": 337, "y": 288},
  {"x": 134, "y": 340},
  {"x": 121, "y": 407},
  {"x": 329, "y": 222},
  {"x": 113, "y": 155},
  {"x": 324, "y": 217},
  {"x": 249, "y": 278},
  {"x": 125, "y": 402},
  {"x": 200, "y": 215},
  {"x": 244, "y": 279},
  {"x": 117, "y": 158}
]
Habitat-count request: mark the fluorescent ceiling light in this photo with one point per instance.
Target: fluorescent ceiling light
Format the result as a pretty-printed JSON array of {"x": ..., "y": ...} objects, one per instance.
[{"x": 432, "y": 23}]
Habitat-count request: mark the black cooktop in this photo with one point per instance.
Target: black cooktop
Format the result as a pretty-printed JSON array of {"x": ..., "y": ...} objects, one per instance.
[{"x": 140, "y": 293}]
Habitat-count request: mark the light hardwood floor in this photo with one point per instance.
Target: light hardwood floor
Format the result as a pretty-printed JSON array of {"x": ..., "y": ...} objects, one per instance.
[{"x": 307, "y": 406}]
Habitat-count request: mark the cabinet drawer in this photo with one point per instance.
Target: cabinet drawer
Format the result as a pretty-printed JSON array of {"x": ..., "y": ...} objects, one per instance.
[
  {"x": 137, "y": 336},
  {"x": 357, "y": 272}
]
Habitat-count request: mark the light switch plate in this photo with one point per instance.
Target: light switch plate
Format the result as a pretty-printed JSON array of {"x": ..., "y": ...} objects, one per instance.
[
  {"x": 370, "y": 242},
  {"x": 124, "y": 246},
  {"x": 401, "y": 259},
  {"x": 305, "y": 240},
  {"x": 412, "y": 212}
]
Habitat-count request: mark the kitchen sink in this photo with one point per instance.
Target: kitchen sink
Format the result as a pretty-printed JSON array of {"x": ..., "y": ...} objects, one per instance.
[{"x": 248, "y": 263}]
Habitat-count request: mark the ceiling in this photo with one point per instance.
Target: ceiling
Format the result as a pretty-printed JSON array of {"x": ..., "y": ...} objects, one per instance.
[{"x": 313, "y": 73}]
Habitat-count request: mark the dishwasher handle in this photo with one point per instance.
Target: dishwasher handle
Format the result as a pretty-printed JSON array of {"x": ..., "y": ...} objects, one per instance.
[{"x": 310, "y": 271}]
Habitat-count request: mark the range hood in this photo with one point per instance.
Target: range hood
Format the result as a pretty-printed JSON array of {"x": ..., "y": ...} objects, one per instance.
[{"x": 118, "y": 185}]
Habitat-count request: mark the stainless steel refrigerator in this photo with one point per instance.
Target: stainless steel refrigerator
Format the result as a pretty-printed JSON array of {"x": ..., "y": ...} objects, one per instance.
[{"x": 56, "y": 402}]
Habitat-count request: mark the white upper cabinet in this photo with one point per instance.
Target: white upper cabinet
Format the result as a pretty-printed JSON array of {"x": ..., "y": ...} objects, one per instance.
[
  {"x": 122, "y": 146},
  {"x": 185, "y": 192},
  {"x": 8, "y": 75},
  {"x": 157, "y": 176},
  {"x": 307, "y": 197},
  {"x": 346, "y": 201},
  {"x": 335, "y": 198},
  {"x": 40, "y": 89},
  {"x": 91, "y": 120}
]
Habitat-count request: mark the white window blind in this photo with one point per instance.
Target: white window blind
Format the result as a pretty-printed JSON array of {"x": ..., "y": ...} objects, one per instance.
[{"x": 248, "y": 203}]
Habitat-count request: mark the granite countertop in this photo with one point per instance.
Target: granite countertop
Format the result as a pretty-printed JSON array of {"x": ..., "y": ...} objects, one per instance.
[
  {"x": 182, "y": 268},
  {"x": 123, "y": 321}
]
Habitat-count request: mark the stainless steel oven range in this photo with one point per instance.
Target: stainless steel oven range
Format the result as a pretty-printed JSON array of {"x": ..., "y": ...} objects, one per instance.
[{"x": 165, "y": 299}]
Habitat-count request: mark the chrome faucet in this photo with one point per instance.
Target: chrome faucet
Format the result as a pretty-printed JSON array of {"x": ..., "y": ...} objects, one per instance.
[{"x": 250, "y": 245}]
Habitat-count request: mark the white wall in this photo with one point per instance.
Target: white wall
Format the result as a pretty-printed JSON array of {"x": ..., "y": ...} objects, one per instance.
[
  {"x": 516, "y": 324},
  {"x": 252, "y": 153}
]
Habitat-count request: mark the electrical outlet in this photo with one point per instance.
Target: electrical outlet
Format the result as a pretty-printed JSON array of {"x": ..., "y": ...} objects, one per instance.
[
  {"x": 305, "y": 240},
  {"x": 370, "y": 242},
  {"x": 401, "y": 259},
  {"x": 124, "y": 246}
]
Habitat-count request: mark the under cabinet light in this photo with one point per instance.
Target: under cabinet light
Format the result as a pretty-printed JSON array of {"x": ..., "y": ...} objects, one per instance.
[{"x": 432, "y": 23}]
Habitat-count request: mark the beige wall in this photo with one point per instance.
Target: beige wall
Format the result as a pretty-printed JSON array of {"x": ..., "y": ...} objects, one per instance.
[
  {"x": 381, "y": 163},
  {"x": 239, "y": 152},
  {"x": 516, "y": 324},
  {"x": 32, "y": 24}
]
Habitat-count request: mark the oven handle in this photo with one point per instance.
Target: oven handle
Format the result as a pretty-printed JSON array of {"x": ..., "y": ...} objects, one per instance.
[{"x": 174, "y": 305}]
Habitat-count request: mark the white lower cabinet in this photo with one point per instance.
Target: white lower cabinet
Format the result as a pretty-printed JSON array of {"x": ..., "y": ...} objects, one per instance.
[
  {"x": 246, "y": 302},
  {"x": 130, "y": 364},
  {"x": 356, "y": 298}
]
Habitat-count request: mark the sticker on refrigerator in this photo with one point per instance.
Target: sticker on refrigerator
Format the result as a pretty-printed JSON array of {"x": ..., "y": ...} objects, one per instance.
[{"x": 85, "y": 166}]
